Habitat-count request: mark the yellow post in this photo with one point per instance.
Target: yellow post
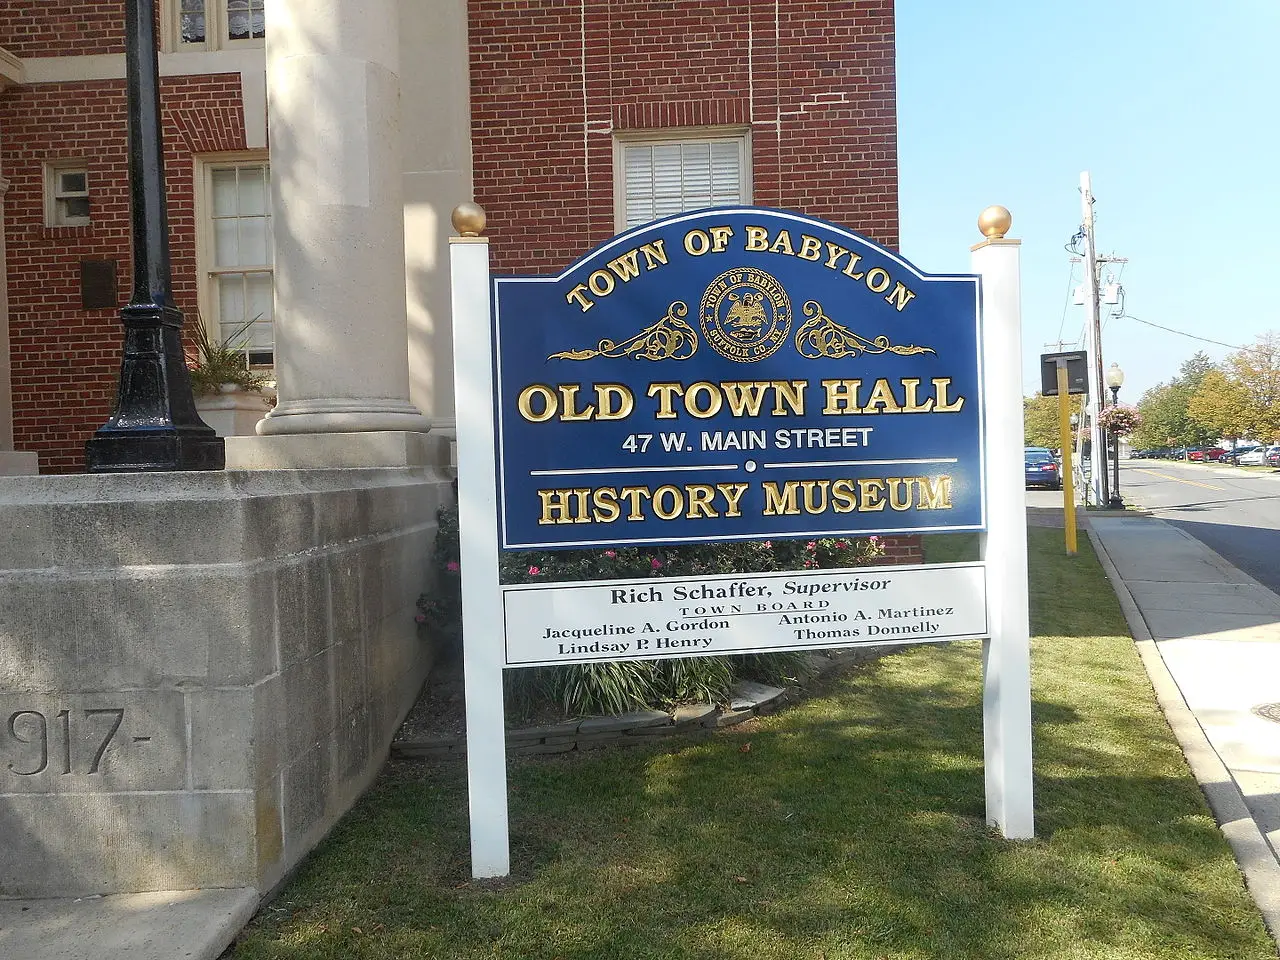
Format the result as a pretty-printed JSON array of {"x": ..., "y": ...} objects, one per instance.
[{"x": 1068, "y": 479}]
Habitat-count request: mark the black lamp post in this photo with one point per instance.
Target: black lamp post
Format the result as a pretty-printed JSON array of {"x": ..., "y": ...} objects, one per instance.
[
  {"x": 1115, "y": 380},
  {"x": 155, "y": 425}
]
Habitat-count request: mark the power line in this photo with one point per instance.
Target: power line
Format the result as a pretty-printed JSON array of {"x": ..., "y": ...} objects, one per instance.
[
  {"x": 1181, "y": 333},
  {"x": 1067, "y": 300}
]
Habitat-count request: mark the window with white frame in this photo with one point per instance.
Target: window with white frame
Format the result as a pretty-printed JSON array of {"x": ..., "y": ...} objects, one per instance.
[
  {"x": 661, "y": 176},
  {"x": 67, "y": 195},
  {"x": 236, "y": 255},
  {"x": 217, "y": 24}
]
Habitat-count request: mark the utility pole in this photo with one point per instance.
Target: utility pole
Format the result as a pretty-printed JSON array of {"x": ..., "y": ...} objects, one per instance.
[{"x": 1098, "y": 456}]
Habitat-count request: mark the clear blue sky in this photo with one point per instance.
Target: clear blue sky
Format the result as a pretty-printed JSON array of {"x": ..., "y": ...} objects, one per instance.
[{"x": 1174, "y": 109}]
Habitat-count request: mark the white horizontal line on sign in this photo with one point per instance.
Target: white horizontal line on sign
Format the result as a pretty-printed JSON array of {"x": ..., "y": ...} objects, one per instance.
[
  {"x": 855, "y": 463},
  {"x": 574, "y": 473}
]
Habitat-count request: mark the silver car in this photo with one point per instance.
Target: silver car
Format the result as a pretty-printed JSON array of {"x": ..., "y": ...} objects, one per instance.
[{"x": 1257, "y": 456}]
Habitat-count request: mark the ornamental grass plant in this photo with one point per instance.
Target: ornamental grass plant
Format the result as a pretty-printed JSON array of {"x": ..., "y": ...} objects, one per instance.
[
  {"x": 849, "y": 827},
  {"x": 220, "y": 361}
]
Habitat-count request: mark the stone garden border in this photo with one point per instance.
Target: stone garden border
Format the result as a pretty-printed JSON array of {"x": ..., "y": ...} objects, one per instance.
[{"x": 747, "y": 700}]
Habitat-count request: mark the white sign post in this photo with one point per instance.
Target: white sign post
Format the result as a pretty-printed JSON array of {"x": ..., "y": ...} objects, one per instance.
[
  {"x": 528, "y": 624},
  {"x": 477, "y": 507},
  {"x": 1006, "y": 655}
]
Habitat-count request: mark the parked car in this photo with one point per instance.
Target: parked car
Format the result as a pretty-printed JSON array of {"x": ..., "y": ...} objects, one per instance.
[
  {"x": 1273, "y": 456},
  {"x": 1258, "y": 456},
  {"x": 1233, "y": 456},
  {"x": 1042, "y": 469},
  {"x": 1205, "y": 454}
]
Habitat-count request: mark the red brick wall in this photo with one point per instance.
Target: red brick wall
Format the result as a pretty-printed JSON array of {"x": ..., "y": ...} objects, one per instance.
[
  {"x": 66, "y": 359},
  {"x": 902, "y": 550},
  {"x": 813, "y": 80},
  {"x": 61, "y": 28}
]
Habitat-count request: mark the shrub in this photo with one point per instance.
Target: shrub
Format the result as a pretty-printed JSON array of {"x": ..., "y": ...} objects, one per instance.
[
  {"x": 625, "y": 685},
  {"x": 440, "y": 609}
]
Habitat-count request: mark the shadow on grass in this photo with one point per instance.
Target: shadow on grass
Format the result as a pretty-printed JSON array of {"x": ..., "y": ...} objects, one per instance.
[{"x": 851, "y": 826}]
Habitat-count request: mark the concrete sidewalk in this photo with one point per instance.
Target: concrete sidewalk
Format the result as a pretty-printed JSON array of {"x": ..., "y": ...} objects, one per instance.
[
  {"x": 169, "y": 925},
  {"x": 1209, "y": 636}
]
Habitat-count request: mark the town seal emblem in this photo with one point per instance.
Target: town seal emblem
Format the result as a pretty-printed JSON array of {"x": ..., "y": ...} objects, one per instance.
[{"x": 745, "y": 315}]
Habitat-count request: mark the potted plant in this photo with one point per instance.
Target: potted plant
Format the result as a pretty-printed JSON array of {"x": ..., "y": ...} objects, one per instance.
[
  {"x": 229, "y": 396},
  {"x": 222, "y": 365},
  {"x": 1120, "y": 419}
]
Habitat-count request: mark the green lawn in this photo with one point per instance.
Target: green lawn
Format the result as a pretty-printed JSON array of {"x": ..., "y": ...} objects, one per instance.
[{"x": 850, "y": 826}]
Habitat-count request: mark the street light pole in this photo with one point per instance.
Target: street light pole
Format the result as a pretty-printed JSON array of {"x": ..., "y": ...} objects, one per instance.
[
  {"x": 1115, "y": 380},
  {"x": 155, "y": 425}
]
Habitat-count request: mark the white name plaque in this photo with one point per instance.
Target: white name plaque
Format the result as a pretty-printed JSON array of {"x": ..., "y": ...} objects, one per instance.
[{"x": 751, "y": 613}]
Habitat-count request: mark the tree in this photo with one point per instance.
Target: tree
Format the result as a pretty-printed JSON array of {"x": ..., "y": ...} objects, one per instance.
[
  {"x": 1256, "y": 369},
  {"x": 1040, "y": 421},
  {"x": 1222, "y": 406},
  {"x": 1165, "y": 419},
  {"x": 1160, "y": 421},
  {"x": 1194, "y": 370}
]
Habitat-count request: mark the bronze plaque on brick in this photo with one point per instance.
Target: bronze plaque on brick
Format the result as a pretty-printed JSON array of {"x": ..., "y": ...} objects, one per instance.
[{"x": 98, "y": 284}]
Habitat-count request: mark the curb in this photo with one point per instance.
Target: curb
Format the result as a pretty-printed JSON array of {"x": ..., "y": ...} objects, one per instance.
[{"x": 1256, "y": 859}]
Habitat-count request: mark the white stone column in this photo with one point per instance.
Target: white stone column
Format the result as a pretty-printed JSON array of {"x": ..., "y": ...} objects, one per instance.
[
  {"x": 6, "y": 398},
  {"x": 333, "y": 93},
  {"x": 11, "y": 462},
  {"x": 434, "y": 77}
]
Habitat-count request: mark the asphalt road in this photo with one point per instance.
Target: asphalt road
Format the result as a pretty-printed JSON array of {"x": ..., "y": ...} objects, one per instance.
[{"x": 1233, "y": 511}]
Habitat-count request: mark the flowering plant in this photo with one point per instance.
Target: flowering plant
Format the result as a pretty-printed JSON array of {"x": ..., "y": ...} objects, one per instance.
[
  {"x": 1120, "y": 419},
  {"x": 749, "y": 556},
  {"x": 614, "y": 688}
]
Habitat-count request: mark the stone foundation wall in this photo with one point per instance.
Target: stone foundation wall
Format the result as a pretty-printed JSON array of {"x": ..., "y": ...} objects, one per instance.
[{"x": 199, "y": 673}]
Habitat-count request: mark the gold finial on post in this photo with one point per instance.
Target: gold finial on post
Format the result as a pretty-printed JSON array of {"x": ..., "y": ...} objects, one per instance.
[
  {"x": 995, "y": 221},
  {"x": 468, "y": 219}
]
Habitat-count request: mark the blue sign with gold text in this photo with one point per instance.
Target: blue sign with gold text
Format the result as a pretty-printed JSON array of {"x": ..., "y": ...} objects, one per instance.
[{"x": 736, "y": 373}]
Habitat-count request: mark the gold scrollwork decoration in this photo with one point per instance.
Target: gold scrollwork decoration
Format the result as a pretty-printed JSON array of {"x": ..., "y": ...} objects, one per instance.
[
  {"x": 820, "y": 336},
  {"x": 668, "y": 339}
]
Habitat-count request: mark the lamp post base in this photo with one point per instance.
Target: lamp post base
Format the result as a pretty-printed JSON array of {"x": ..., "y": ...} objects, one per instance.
[
  {"x": 155, "y": 425},
  {"x": 165, "y": 449}
]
